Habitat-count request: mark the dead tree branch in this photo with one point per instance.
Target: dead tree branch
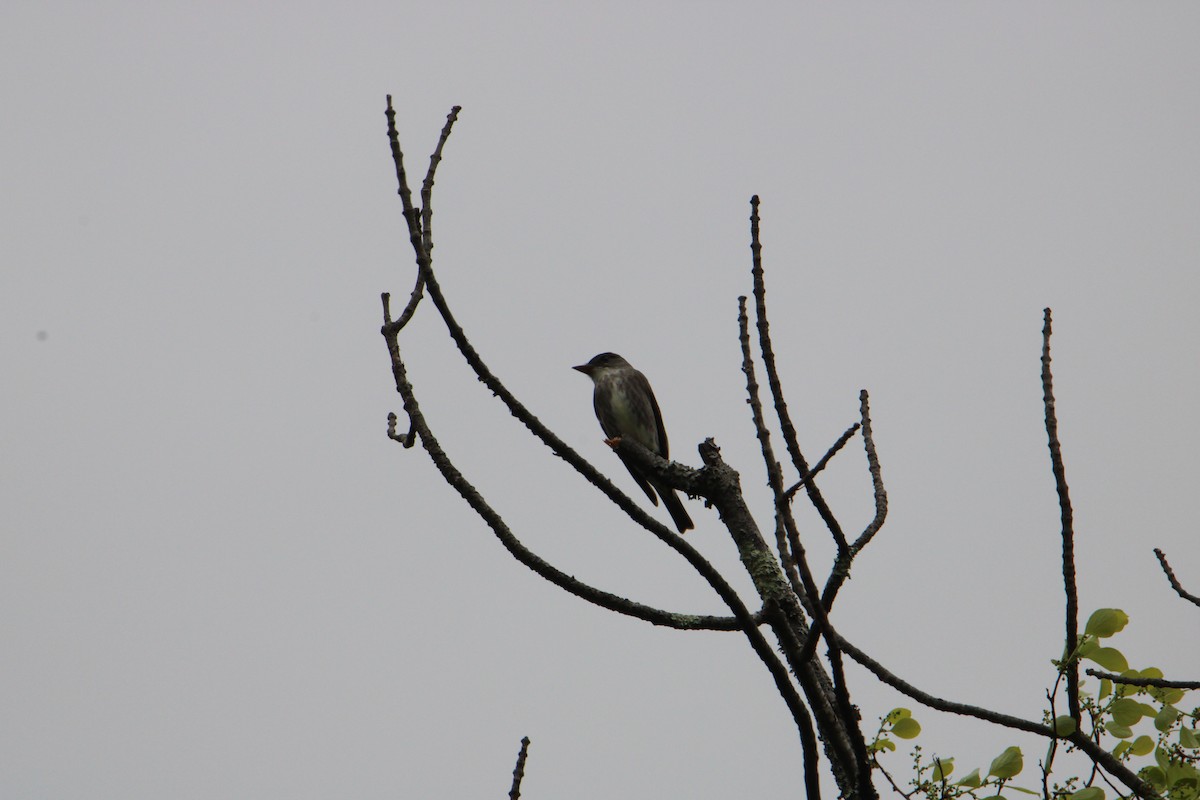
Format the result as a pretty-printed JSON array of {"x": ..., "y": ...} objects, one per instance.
[
  {"x": 421, "y": 242},
  {"x": 519, "y": 770},
  {"x": 1175, "y": 584},
  {"x": 1068, "y": 527},
  {"x": 796, "y": 609},
  {"x": 776, "y": 386}
]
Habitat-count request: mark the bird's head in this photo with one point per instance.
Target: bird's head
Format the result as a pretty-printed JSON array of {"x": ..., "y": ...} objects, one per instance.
[{"x": 605, "y": 362}]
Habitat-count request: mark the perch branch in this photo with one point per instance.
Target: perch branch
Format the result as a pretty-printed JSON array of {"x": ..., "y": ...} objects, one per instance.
[
  {"x": 523, "y": 554},
  {"x": 746, "y": 622}
]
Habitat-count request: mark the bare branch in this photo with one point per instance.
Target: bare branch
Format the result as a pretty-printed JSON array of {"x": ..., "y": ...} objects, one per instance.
[
  {"x": 526, "y": 556},
  {"x": 1162, "y": 560},
  {"x": 786, "y": 587},
  {"x": 427, "y": 185},
  {"x": 1068, "y": 530},
  {"x": 781, "y": 609},
  {"x": 768, "y": 356},
  {"x": 1159, "y": 683},
  {"x": 422, "y": 241},
  {"x": 841, "y": 567},
  {"x": 746, "y": 622},
  {"x": 409, "y": 439},
  {"x": 787, "y": 558},
  {"x": 820, "y": 465},
  {"x": 519, "y": 770},
  {"x": 485, "y": 375},
  {"x": 876, "y": 475},
  {"x": 844, "y": 716}
]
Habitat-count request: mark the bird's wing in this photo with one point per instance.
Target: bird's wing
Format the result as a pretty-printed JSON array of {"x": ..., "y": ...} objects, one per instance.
[
  {"x": 658, "y": 422},
  {"x": 637, "y": 476},
  {"x": 602, "y": 402}
]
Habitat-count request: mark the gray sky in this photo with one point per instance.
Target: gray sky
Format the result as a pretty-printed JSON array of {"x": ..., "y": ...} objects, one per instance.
[{"x": 220, "y": 579}]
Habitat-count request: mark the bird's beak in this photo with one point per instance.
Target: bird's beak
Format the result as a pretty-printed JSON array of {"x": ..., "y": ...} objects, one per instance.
[{"x": 586, "y": 369}]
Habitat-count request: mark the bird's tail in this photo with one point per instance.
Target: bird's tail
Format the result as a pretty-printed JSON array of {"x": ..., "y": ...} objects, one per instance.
[{"x": 674, "y": 505}]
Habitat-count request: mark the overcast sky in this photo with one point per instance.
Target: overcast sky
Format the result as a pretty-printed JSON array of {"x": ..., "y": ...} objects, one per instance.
[{"x": 219, "y": 578}]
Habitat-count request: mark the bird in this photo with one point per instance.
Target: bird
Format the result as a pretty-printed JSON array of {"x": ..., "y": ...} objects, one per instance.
[{"x": 626, "y": 407}]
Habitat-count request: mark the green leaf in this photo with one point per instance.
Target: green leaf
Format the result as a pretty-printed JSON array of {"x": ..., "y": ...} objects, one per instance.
[
  {"x": 897, "y": 714},
  {"x": 1172, "y": 696},
  {"x": 1110, "y": 658},
  {"x": 1105, "y": 688},
  {"x": 1141, "y": 746},
  {"x": 1118, "y": 730},
  {"x": 1064, "y": 726},
  {"x": 1166, "y": 717},
  {"x": 907, "y": 728},
  {"x": 1182, "y": 779},
  {"x": 1188, "y": 738},
  {"x": 1090, "y": 793},
  {"x": 971, "y": 779},
  {"x": 942, "y": 767},
  {"x": 1150, "y": 672},
  {"x": 1007, "y": 764},
  {"x": 1155, "y": 776},
  {"x": 1023, "y": 790},
  {"x": 1104, "y": 622},
  {"x": 1127, "y": 712}
]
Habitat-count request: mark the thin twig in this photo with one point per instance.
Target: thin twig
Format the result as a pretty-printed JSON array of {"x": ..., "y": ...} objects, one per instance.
[
  {"x": 768, "y": 356},
  {"x": 1068, "y": 529},
  {"x": 409, "y": 439},
  {"x": 519, "y": 770},
  {"x": 1159, "y": 683},
  {"x": 427, "y": 184},
  {"x": 881, "y": 503},
  {"x": 774, "y": 474},
  {"x": 411, "y": 216},
  {"x": 888, "y": 776},
  {"x": 1162, "y": 560},
  {"x": 820, "y": 465},
  {"x": 841, "y": 566}
]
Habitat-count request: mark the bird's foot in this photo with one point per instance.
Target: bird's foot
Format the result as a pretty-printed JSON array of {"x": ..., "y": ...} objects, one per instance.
[{"x": 613, "y": 442}]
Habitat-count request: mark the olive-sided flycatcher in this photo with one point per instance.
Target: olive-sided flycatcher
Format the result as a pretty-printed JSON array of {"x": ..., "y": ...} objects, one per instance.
[{"x": 625, "y": 406}]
